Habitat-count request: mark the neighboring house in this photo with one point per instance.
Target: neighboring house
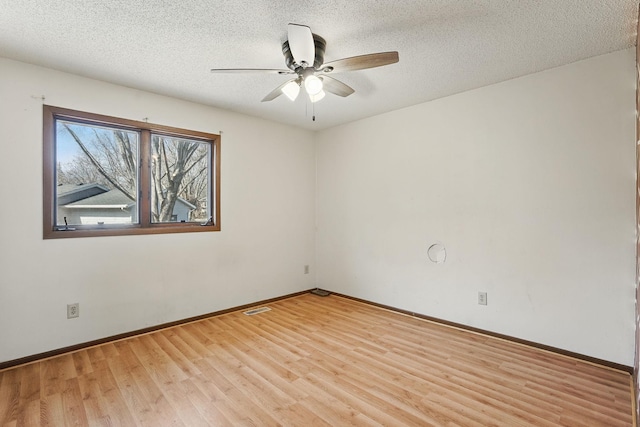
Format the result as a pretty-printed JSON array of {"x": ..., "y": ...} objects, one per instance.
[
  {"x": 69, "y": 193},
  {"x": 96, "y": 204}
]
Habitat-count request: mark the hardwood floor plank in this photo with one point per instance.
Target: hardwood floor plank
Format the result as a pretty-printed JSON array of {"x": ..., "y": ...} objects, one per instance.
[
  {"x": 52, "y": 411},
  {"x": 30, "y": 383},
  {"x": 207, "y": 409},
  {"x": 135, "y": 399},
  {"x": 299, "y": 415},
  {"x": 176, "y": 396},
  {"x": 314, "y": 361},
  {"x": 82, "y": 362},
  {"x": 328, "y": 407},
  {"x": 176, "y": 359},
  {"x": 27, "y": 409},
  {"x": 9, "y": 396},
  {"x": 234, "y": 401},
  {"x": 258, "y": 389},
  {"x": 109, "y": 350},
  {"x": 392, "y": 387},
  {"x": 363, "y": 402},
  {"x": 54, "y": 372},
  {"x": 110, "y": 395},
  {"x": 228, "y": 405},
  {"x": 29, "y": 413},
  {"x": 73, "y": 405},
  {"x": 96, "y": 411}
]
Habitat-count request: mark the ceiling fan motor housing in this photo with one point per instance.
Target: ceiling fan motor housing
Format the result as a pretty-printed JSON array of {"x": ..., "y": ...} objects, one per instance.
[{"x": 320, "y": 45}]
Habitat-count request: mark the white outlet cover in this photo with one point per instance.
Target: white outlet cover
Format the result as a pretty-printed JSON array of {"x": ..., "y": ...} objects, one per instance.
[
  {"x": 73, "y": 310},
  {"x": 482, "y": 298}
]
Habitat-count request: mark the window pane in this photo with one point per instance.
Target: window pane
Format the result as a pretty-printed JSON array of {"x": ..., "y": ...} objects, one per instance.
[
  {"x": 180, "y": 175},
  {"x": 96, "y": 175}
]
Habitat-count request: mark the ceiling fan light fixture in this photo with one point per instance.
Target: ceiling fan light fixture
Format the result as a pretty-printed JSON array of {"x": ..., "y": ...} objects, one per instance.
[
  {"x": 291, "y": 89},
  {"x": 318, "y": 96},
  {"x": 304, "y": 57},
  {"x": 312, "y": 85}
]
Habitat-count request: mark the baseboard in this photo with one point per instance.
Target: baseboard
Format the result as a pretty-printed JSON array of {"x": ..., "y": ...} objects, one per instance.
[
  {"x": 48, "y": 354},
  {"x": 594, "y": 360}
]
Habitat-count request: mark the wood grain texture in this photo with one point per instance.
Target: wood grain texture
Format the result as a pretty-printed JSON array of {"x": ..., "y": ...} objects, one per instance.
[
  {"x": 314, "y": 361},
  {"x": 636, "y": 365}
]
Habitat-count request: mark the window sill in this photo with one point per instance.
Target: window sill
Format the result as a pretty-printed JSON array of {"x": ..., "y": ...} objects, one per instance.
[{"x": 134, "y": 230}]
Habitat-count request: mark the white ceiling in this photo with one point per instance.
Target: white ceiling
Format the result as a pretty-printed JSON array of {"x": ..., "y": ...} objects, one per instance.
[{"x": 445, "y": 46}]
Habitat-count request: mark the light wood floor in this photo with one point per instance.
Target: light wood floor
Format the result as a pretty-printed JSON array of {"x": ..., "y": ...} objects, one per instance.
[{"x": 314, "y": 361}]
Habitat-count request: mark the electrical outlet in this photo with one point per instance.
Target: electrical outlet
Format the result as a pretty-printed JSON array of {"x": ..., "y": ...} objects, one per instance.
[
  {"x": 482, "y": 298},
  {"x": 306, "y": 269},
  {"x": 73, "y": 310}
]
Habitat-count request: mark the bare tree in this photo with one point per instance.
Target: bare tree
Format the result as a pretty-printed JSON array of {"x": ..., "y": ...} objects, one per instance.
[
  {"x": 109, "y": 157},
  {"x": 113, "y": 163},
  {"x": 173, "y": 159},
  {"x": 80, "y": 170}
]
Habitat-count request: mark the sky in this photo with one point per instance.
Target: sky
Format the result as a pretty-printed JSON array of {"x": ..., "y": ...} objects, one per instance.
[{"x": 66, "y": 146}]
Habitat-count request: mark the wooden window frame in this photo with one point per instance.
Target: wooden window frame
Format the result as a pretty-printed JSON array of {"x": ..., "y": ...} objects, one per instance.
[{"x": 144, "y": 226}]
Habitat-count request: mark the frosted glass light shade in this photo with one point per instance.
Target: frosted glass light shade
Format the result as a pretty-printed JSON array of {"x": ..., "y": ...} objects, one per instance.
[
  {"x": 317, "y": 97},
  {"x": 291, "y": 89},
  {"x": 313, "y": 85}
]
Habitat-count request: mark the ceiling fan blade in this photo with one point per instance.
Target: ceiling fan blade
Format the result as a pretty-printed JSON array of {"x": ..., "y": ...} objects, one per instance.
[
  {"x": 361, "y": 62},
  {"x": 336, "y": 86},
  {"x": 250, "y": 70},
  {"x": 276, "y": 92},
  {"x": 301, "y": 44}
]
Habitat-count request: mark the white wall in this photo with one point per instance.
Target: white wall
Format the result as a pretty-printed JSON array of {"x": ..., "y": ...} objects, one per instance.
[
  {"x": 132, "y": 282},
  {"x": 529, "y": 184}
]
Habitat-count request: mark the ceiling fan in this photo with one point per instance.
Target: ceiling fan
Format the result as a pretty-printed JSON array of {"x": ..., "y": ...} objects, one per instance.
[{"x": 304, "y": 56}]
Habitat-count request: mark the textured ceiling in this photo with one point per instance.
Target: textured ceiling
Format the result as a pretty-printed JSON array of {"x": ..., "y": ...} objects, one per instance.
[{"x": 445, "y": 46}]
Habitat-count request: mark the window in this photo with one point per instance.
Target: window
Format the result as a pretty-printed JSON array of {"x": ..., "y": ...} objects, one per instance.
[{"x": 105, "y": 176}]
